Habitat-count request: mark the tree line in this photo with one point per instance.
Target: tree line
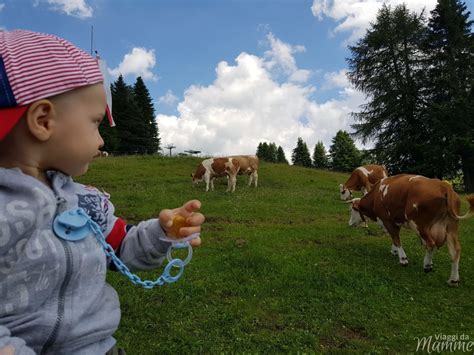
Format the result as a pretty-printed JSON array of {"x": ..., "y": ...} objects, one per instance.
[
  {"x": 417, "y": 73},
  {"x": 343, "y": 154},
  {"x": 136, "y": 130}
]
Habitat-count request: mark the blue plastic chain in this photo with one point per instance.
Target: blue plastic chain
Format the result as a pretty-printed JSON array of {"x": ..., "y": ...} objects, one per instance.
[{"x": 74, "y": 225}]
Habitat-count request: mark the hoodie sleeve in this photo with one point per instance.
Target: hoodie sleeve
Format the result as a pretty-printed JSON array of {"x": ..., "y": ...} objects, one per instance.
[
  {"x": 18, "y": 344},
  {"x": 138, "y": 246}
]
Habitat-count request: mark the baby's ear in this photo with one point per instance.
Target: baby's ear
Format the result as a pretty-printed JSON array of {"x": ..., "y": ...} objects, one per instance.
[{"x": 40, "y": 119}]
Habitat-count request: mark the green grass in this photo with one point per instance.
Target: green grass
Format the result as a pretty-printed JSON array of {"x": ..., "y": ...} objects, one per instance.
[{"x": 280, "y": 270}]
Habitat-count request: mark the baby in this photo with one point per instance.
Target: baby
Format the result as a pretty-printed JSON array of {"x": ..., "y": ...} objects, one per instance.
[{"x": 53, "y": 295}]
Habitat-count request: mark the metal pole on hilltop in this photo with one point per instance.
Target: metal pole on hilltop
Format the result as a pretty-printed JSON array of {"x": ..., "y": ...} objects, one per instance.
[{"x": 92, "y": 38}]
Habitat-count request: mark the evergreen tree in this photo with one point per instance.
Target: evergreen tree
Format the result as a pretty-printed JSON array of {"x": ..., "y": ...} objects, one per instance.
[
  {"x": 450, "y": 51},
  {"x": 262, "y": 151},
  {"x": 130, "y": 130},
  {"x": 320, "y": 158},
  {"x": 281, "y": 158},
  {"x": 301, "y": 154},
  {"x": 387, "y": 64},
  {"x": 146, "y": 113},
  {"x": 272, "y": 153},
  {"x": 344, "y": 154}
]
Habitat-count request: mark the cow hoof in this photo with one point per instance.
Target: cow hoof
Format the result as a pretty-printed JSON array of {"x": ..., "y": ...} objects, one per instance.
[
  {"x": 428, "y": 268},
  {"x": 453, "y": 283},
  {"x": 404, "y": 262}
]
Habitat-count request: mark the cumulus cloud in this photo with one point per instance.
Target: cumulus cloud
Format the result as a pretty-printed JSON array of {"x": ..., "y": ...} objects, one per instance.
[
  {"x": 139, "y": 62},
  {"x": 168, "y": 99},
  {"x": 280, "y": 57},
  {"x": 75, "y": 8},
  {"x": 246, "y": 105},
  {"x": 354, "y": 16},
  {"x": 336, "y": 80}
]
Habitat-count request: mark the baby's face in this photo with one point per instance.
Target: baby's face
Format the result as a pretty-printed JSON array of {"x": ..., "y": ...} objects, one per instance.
[{"x": 76, "y": 139}]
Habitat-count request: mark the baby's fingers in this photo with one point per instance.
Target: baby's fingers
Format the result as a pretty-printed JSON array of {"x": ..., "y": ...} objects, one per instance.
[
  {"x": 166, "y": 218},
  {"x": 196, "y": 219}
]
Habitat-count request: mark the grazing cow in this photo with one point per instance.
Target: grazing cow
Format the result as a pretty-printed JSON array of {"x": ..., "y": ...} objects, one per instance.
[
  {"x": 428, "y": 206},
  {"x": 104, "y": 154},
  {"x": 212, "y": 168},
  {"x": 248, "y": 166},
  {"x": 362, "y": 179}
]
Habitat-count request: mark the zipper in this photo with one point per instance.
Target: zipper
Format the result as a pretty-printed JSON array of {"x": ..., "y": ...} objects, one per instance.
[{"x": 62, "y": 291}]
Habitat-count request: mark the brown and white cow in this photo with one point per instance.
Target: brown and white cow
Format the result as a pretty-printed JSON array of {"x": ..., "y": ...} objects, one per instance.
[
  {"x": 362, "y": 179},
  {"x": 428, "y": 206},
  {"x": 248, "y": 166},
  {"x": 210, "y": 169}
]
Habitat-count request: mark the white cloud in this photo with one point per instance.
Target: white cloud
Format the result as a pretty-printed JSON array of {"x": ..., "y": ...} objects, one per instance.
[
  {"x": 75, "y": 8},
  {"x": 336, "y": 79},
  {"x": 280, "y": 57},
  {"x": 168, "y": 99},
  {"x": 139, "y": 62},
  {"x": 2, "y": 6},
  {"x": 354, "y": 16},
  {"x": 246, "y": 105}
]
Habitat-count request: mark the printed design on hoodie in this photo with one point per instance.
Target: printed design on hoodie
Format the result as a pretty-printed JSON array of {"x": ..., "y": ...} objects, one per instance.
[{"x": 96, "y": 206}]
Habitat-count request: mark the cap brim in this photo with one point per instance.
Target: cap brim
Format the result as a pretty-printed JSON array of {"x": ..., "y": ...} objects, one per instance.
[
  {"x": 109, "y": 116},
  {"x": 9, "y": 118}
]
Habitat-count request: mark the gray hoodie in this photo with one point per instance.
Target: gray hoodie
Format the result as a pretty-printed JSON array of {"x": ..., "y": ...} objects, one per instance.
[{"x": 53, "y": 295}]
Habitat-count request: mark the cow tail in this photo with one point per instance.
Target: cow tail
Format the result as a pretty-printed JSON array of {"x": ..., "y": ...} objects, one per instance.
[{"x": 450, "y": 196}]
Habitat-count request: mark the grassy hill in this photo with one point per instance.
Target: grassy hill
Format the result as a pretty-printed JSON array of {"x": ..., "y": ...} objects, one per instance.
[{"x": 280, "y": 270}]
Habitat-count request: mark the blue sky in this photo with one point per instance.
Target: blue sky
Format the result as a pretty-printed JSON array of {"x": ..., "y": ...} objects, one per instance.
[{"x": 223, "y": 74}]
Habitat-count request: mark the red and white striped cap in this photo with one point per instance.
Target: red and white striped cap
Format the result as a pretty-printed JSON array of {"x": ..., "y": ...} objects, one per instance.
[{"x": 35, "y": 66}]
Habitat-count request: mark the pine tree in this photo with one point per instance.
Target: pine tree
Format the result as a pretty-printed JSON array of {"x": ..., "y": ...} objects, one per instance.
[
  {"x": 130, "y": 131},
  {"x": 450, "y": 51},
  {"x": 320, "y": 158},
  {"x": 301, "y": 154},
  {"x": 272, "y": 153},
  {"x": 387, "y": 64},
  {"x": 281, "y": 158},
  {"x": 146, "y": 113},
  {"x": 344, "y": 154}
]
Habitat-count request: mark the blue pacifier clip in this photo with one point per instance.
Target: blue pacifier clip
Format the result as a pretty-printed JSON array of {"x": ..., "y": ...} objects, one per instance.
[{"x": 75, "y": 225}]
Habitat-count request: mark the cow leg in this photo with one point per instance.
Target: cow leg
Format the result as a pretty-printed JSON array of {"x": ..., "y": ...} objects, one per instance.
[
  {"x": 428, "y": 260},
  {"x": 394, "y": 232},
  {"x": 255, "y": 177},
  {"x": 454, "y": 250},
  {"x": 250, "y": 179},
  {"x": 212, "y": 184},
  {"x": 207, "y": 179},
  {"x": 394, "y": 250},
  {"x": 234, "y": 182}
]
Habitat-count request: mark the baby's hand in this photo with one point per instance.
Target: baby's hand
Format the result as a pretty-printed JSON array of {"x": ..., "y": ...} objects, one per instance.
[
  {"x": 190, "y": 225},
  {"x": 7, "y": 350}
]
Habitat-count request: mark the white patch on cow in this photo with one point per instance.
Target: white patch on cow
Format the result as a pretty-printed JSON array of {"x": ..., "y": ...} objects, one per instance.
[
  {"x": 394, "y": 250},
  {"x": 356, "y": 218},
  {"x": 415, "y": 206},
  {"x": 415, "y": 177},
  {"x": 384, "y": 174},
  {"x": 345, "y": 193},
  {"x": 207, "y": 164},
  {"x": 365, "y": 171},
  {"x": 402, "y": 257}
]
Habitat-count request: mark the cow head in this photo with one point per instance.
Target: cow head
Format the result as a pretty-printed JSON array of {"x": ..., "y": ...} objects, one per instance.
[
  {"x": 195, "y": 179},
  {"x": 356, "y": 215},
  {"x": 345, "y": 193}
]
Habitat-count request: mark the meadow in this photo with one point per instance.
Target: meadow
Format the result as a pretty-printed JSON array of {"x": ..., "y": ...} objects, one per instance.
[{"x": 279, "y": 269}]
